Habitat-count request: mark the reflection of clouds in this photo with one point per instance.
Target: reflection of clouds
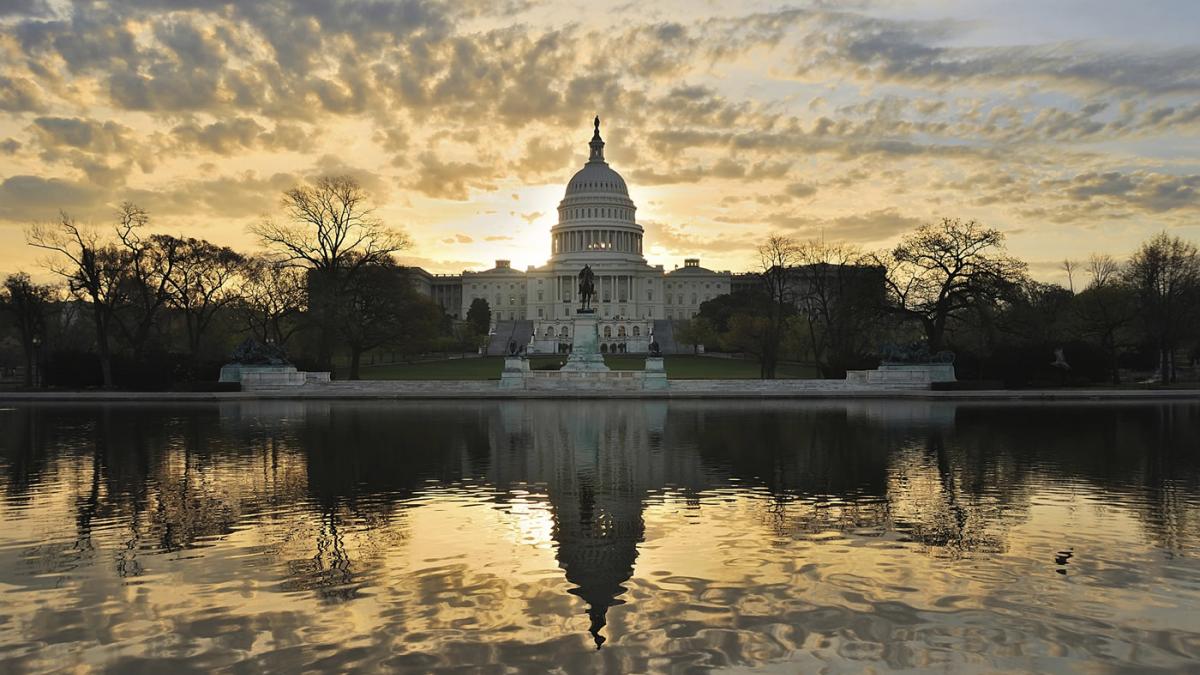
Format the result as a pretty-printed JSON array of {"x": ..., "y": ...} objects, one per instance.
[{"x": 689, "y": 534}]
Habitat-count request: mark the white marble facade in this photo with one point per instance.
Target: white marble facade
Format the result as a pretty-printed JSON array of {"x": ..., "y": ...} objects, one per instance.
[{"x": 597, "y": 226}]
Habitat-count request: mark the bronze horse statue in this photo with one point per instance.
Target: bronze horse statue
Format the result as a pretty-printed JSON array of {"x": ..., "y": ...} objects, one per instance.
[{"x": 587, "y": 287}]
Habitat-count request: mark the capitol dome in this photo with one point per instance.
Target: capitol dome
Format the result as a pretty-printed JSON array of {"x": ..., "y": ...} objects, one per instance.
[
  {"x": 597, "y": 175},
  {"x": 596, "y": 215}
]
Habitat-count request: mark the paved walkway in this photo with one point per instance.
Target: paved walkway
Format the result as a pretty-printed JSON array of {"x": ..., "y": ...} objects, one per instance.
[{"x": 680, "y": 389}]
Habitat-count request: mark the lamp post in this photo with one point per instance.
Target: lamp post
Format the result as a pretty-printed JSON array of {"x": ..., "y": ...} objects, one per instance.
[{"x": 37, "y": 359}]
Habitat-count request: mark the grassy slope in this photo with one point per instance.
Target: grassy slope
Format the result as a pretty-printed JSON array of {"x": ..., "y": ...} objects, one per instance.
[{"x": 488, "y": 368}]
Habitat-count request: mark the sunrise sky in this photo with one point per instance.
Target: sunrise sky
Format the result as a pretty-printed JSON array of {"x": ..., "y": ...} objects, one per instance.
[{"x": 1075, "y": 127}]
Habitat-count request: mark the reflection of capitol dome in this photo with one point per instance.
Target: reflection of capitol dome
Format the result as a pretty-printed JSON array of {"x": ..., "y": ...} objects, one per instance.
[
  {"x": 598, "y": 530},
  {"x": 596, "y": 218}
]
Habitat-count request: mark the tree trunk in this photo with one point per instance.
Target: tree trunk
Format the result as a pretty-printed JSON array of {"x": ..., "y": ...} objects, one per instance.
[
  {"x": 1164, "y": 366},
  {"x": 29, "y": 361},
  {"x": 1112, "y": 363},
  {"x": 355, "y": 358},
  {"x": 102, "y": 349}
]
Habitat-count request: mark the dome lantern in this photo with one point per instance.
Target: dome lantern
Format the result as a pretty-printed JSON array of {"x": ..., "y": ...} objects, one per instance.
[{"x": 597, "y": 144}]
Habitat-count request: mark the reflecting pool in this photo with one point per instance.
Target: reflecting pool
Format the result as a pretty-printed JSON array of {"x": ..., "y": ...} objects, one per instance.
[{"x": 621, "y": 536}]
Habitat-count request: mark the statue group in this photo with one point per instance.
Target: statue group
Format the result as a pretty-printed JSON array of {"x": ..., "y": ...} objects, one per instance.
[{"x": 587, "y": 288}]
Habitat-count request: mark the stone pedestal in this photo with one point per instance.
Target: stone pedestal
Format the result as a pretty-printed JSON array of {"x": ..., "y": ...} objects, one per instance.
[
  {"x": 513, "y": 375},
  {"x": 585, "y": 346},
  {"x": 655, "y": 374},
  {"x": 904, "y": 374},
  {"x": 282, "y": 375}
]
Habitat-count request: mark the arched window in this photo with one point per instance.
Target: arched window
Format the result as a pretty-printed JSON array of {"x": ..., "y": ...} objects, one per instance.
[
  {"x": 620, "y": 331},
  {"x": 562, "y": 332},
  {"x": 603, "y": 347},
  {"x": 549, "y": 331},
  {"x": 608, "y": 331},
  {"x": 637, "y": 331}
]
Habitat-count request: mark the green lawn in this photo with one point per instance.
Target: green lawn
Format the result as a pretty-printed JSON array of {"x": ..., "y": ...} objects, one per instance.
[{"x": 488, "y": 368}]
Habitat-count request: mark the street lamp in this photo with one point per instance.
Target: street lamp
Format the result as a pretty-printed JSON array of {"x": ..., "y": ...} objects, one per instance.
[{"x": 37, "y": 358}]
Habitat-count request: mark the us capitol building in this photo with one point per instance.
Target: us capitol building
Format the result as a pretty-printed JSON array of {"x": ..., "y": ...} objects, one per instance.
[{"x": 597, "y": 226}]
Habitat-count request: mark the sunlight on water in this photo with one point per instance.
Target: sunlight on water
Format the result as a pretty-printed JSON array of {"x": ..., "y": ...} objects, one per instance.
[{"x": 614, "y": 537}]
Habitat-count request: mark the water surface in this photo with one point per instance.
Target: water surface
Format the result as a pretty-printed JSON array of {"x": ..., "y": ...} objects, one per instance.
[{"x": 636, "y": 536}]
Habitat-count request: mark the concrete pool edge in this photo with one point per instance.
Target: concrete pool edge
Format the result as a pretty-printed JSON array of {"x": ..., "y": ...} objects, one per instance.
[{"x": 455, "y": 390}]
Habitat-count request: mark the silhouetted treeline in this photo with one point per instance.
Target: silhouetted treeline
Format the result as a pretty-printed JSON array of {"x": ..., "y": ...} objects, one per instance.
[
  {"x": 951, "y": 286},
  {"x": 139, "y": 309}
]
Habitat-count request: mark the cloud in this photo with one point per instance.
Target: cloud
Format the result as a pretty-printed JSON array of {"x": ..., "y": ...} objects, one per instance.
[
  {"x": 450, "y": 180},
  {"x": 677, "y": 240},
  {"x": 29, "y": 8},
  {"x": 458, "y": 239},
  {"x": 222, "y": 104},
  {"x": 531, "y": 216},
  {"x": 228, "y": 136},
  {"x": 1152, "y": 192},
  {"x": 882, "y": 50},
  {"x": 84, "y": 134},
  {"x": 29, "y": 199},
  {"x": 801, "y": 190},
  {"x": 20, "y": 94}
]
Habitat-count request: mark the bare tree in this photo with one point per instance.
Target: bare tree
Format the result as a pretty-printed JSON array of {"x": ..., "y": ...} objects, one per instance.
[
  {"x": 95, "y": 272},
  {"x": 839, "y": 294},
  {"x": 1165, "y": 274},
  {"x": 776, "y": 256},
  {"x": 1103, "y": 269},
  {"x": 201, "y": 282},
  {"x": 939, "y": 272},
  {"x": 330, "y": 230},
  {"x": 272, "y": 297},
  {"x": 28, "y": 304},
  {"x": 151, "y": 264},
  {"x": 1069, "y": 266}
]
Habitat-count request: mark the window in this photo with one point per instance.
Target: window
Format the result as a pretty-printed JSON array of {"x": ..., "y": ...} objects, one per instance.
[
  {"x": 564, "y": 332},
  {"x": 549, "y": 331},
  {"x": 637, "y": 331},
  {"x": 693, "y": 298},
  {"x": 539, "y": 312},
  {"x": 539, "y": 292},
  {"x": 608, "y": 331},
  {"x": 668, "y": 299},
  {"x": 621, "y": 331}
]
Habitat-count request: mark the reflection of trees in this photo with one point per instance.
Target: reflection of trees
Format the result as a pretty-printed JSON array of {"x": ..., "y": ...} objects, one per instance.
[
  {"x": 1145, "y": 456},
  {"x": 823, "y": 466},
  {"x": 327, "y": 485}
]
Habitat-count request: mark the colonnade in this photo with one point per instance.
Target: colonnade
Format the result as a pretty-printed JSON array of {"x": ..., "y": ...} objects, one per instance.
[{"x": 597, "y": 240}]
